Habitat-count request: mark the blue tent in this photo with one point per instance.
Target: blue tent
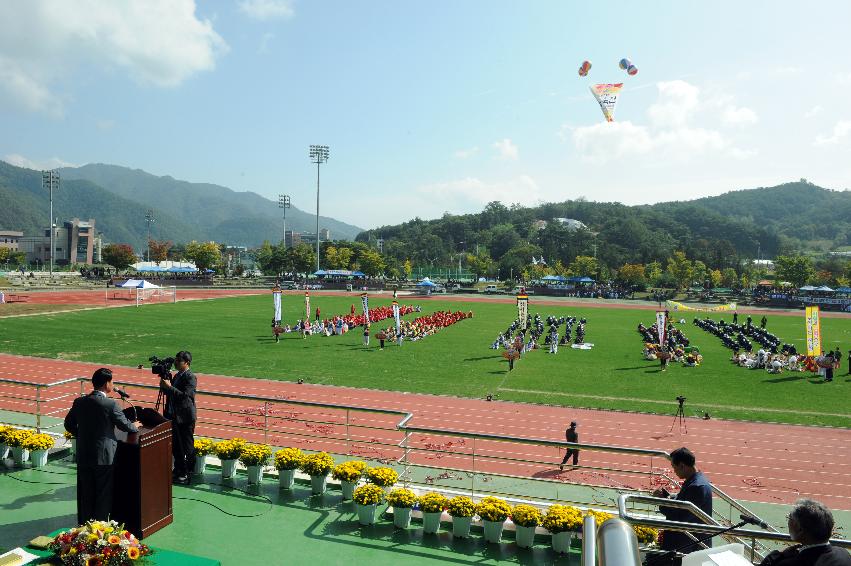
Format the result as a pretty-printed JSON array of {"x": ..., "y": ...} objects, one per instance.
[
  {"x": 151, "y": 269},
  {"x": 181, "y": 269},
  {"x": 553, "y": 278},
  {"x": 843, "y": 290},
  {"x": 581, "y": 280},
  {"x": 359, "y": 274},
  {"x": 426, "y": 283}
]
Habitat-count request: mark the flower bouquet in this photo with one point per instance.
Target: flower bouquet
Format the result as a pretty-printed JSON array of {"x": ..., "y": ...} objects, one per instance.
[
  {"x": 254, "y": 457},
  {"x": 98, "y": 542},
  {"x": 432, "y": 505},
  {"x": 38, "y": 445},
  {"x": 562, "y": 521},
  {"x": 493, "y": 511},
  {"x": 15, "y": 439},
  {"x": 382, "y": 477},
  {"x": 462, "y": 510},
  {"x": 402, "y": 500},
  {"x": 203, "y": 447},
  {"x": 525, "y": 519},
  {"x": 367, "y": 497},
  {"x": 348, "y": 474},
  {"x": 287, "y": 461},
  {"x": 317, "y": 467},
  {"x": 229, "y": 451}
]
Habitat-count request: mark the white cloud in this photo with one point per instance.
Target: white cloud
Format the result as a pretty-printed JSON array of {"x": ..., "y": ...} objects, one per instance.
[
  {"x": 813, "y": 112},
  {"x": 843, "y": 78},
  {"x": 506, "y": 149},
  {"x": 677, "y": 102},
  {"x": 741, "y": 116},
  {"x": 787, "y": 71},
  {"x": 20, "y": 161},
  {"x": 840, "y": 131},
  {"x": 473, "y": 191},
  {"x": 157, "y": 42},
  {"x": 605, "y": 141},
  {"x": 466, "y": 153},
  {"x": 266, "y": 9}
]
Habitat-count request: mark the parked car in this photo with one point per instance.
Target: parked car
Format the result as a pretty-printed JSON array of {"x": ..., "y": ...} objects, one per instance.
[
  {"x": 520, "y": 290},
  {"x": 288, "y": 285},
  {"x": 491, "y": 289}
]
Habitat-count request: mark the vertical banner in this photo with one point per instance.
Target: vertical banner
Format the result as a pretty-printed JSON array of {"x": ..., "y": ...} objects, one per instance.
[
  {"x": 523, "y": 310},
  {"x": 661, "y": 326},
  {"x": 307, "y": 308},
  {"x": 276, "y": 302},
  {"x": 813, "y": 331},
  {"x": 396, "y": 318},
  {"x": 364, "y": 299},
  {"x": 607, "y": 97}
]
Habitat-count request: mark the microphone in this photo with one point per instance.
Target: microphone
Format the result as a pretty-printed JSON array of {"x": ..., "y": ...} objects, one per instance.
[
  {"x": 754, "y": 521},
  {"x": 123, "y": 394}
]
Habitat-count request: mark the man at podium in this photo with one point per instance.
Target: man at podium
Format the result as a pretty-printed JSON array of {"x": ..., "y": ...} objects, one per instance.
[{"x": 93, "y": 420}]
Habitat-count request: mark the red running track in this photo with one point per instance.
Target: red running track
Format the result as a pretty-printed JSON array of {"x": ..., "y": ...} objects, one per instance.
[{"x": 770, "y": 463}]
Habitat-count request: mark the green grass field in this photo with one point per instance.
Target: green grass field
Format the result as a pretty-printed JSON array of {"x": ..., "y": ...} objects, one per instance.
[{"x": 232, "y": 337}]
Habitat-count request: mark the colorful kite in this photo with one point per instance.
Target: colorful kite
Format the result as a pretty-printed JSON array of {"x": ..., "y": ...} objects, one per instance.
[{"x": 607, "y": 97}]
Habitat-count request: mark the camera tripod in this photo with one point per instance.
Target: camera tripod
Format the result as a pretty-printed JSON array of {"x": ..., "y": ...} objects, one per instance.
[{"x": 680, "y": 416}]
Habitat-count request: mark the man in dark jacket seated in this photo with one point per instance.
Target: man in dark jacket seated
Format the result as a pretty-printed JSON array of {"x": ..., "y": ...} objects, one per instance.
[
  {"x": 810, "y": 525},
  {"x": 696, "y": 489}
]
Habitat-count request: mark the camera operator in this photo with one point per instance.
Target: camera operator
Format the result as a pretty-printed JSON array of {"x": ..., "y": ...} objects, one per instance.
[
  {"x": 180, "y": 408},
  {"x": 696, "y": 489}
]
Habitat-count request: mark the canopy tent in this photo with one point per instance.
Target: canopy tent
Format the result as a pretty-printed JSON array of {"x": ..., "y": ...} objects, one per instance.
[
  {"x": 765, "y": 283},
  {"x": 338, "y": 273},
  {"x": 843, "y": 290},
  {"x": 721, "y": 290},
  {"x": 824, "y": 289},
  {"x": 807, "y": 288},
  {"x": 584, "y": 279},
  {"x": 138, "y": 284},
  {"x": 182, "y": 270},
  {"x": 426, "y": 283},
  {"x": 151, "y": 269},
  {"x": 553, "y": 278}
]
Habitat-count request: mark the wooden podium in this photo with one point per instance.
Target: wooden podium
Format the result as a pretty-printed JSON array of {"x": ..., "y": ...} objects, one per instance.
[{"x": 142, "y": 491}]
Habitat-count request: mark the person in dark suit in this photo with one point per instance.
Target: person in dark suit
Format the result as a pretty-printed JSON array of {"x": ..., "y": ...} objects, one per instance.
[
  {"x": 810, "y": 525},
  {"x": 571, "y": 435},
  {"x": 93, "y": 420},
  {"x": 696, "y": 489},
  {"x": 180, "y": 408}
]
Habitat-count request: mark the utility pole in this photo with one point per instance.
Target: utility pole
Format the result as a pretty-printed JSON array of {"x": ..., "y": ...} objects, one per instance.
[
  {"x": 50, "y": 180},
  {"x": 319, "y": 155}
]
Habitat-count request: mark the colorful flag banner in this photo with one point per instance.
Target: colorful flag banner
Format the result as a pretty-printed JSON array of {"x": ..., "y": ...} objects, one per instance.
[
  {"x": 607, "y": 97},
  {"x": 675, "y": 306},
  {"x": 276, "y": 302},
  {"x": 364, "y": 298},
  {"x": 307, "y": 308},
  {"x": 523, "y": 310},
  {"x": 661, "y": 326},
  {"x": 813, "y": 331},
  {"x": 396, "y": 318}
]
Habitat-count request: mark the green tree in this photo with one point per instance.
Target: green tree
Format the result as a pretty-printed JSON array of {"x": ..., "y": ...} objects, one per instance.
[
  {"x": 653, "y": 271},
  {"x": 408, "y": 268},
  {"x": 159, "y": 250},
  {"x": 796, "y": 269},
  {"x": 482, "y": 264},
  {"x": 698, "y": 272},
  {"x": 680, "y": 269},
  {"x": 301, "y": 258},
  {"x": 119, "y": 256},
  {"x": 716, "y": 277},
  {"x": 371, "y": 262},
  {"x": 633, "y": 275},
  {"x": 729, "y": 277},
  {"x": 584, "y": 266},
  {"x": 205, "y": 255}
]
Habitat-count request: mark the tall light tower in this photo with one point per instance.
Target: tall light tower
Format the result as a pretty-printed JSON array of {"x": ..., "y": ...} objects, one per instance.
[
  {"x": 284, "y": 203},
  {"x": 149, "y": 219},
  {"x": 318, "y": 155},
  {"x": 50, "y": 181}
]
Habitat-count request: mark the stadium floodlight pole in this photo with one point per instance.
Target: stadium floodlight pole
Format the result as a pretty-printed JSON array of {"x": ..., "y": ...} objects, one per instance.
[
  {"x": 149, "y": 219},
  {"x": 318, "y": 155},
  {"x": 50, "y": 180},
  {"x": 284, "y": 202}
]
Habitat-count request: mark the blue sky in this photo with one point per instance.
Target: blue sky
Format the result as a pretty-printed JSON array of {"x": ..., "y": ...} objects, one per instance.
[{"x": 432, "y": 107}]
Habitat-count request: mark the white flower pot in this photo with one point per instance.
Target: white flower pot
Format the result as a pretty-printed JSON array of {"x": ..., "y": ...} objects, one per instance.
[
  {"x": 402, "y": 517},
  {"x": 525, "y": 536},
  {"x": 493, "y": 530},
  {"x": 561, "y": 542},
  {"x": 318, "y": 484},
  {"x": 255, "y": 474},
  {"x": 200, "y": 465},
  {"x": 461, "y": 526},
  {"x": 348, "y": 488},
  {"x": 286, "y": 478},
  {"x": 38, "y": 458},
  {"x": 20, "y": 455},
  {"x": 431, "y": 522},
  {"x": 228, "y": 468},
  {"x": 366, "y": 513},
  {"x": 4, "y": 451}
]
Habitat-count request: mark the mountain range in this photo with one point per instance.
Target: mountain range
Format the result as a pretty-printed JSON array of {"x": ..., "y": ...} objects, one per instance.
[{"x": 118, "y": 198}]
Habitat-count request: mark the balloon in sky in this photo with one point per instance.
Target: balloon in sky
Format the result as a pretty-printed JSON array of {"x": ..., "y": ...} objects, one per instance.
[
  {"x": 607, "y": 97},
  {"x": 584, "y": 68},
  {"x": 625, "y": 64},
  {"x": 632, "y": 70}
]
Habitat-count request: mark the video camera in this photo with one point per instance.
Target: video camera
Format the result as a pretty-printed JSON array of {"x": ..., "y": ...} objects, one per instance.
[
  {"x": 681, "y": 399},
  {"x": 161, "y": 367}
]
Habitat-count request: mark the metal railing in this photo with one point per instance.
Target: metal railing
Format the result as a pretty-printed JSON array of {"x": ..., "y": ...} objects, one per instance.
[{"x": 358, "y": 431}]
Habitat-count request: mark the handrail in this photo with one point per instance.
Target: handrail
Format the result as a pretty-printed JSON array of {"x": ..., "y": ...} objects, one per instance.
[
  {"x": 707, "y": 528},
  {"x": 618, "y": 544},
  {"x": 589, "y": 541}
]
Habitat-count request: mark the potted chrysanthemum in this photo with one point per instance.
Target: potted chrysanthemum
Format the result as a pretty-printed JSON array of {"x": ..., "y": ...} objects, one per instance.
[
  {"x": 317, "y": 467},
  {"x": 525, "y": 518},
  {"x": 254, "y": 457},
  {"x": 348, "y": 474},
  {"x": 228, "y": 451},
  {"x": 287, "y": 461},
  {"x": 38, "y": 445},
  {"x": 402, "y": 500},
  {"x": 382, "y": 477},
  {"x": 4, "y": 445},
  {"x": 16, "y": 439},
  {"x": 366, "y": 498},
  {"x": 493, "y": 512},
  {"x": 432, "y": 505},
  {"x": 562, "y": 521},
  {"x": 462, "y": 510},
  {"x": 69, "y": 439},
  {"x": 203, "y": 447}
]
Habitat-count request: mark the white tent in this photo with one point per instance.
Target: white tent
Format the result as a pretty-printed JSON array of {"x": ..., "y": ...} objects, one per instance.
[{"x": 138, "y": 284}]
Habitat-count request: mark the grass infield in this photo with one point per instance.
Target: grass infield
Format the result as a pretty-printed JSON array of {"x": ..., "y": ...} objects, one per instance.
[{"x": 232, "y": 337}]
